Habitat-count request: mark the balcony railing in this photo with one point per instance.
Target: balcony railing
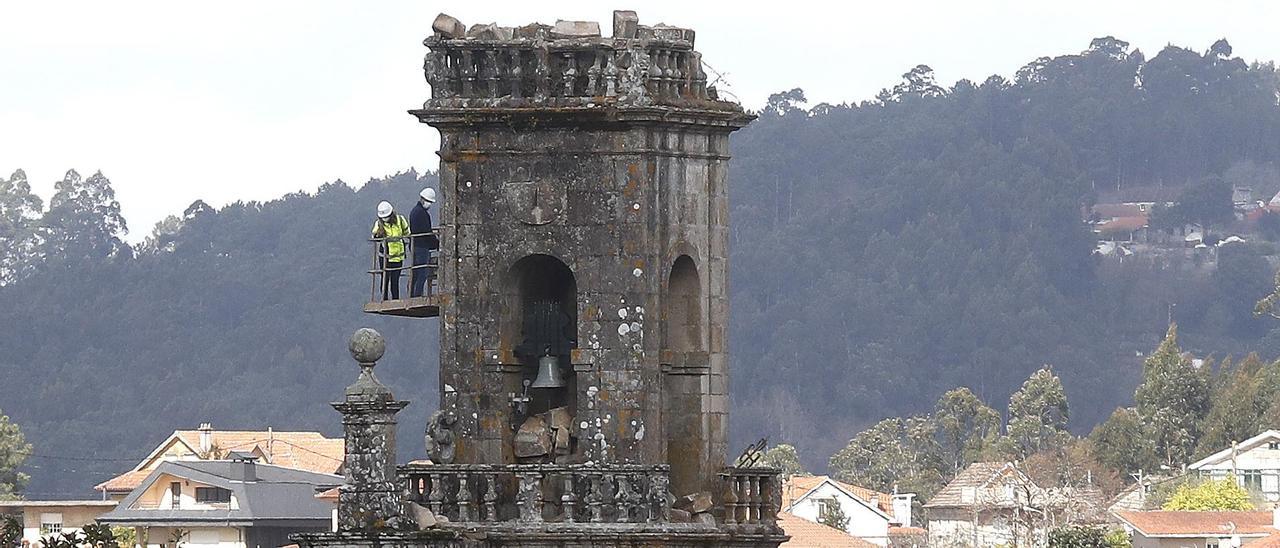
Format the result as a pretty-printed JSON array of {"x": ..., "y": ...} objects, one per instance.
[
  {"x": 588, "y": 494},
  {"x": 384, "y": 301},
  {"x": 481, "y": 493}
]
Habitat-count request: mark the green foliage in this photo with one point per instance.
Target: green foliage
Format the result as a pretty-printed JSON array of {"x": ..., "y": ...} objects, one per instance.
[
  {"x": 84, "y": 221},
  {"x": 94, "y": 535},
  {"x": 125, "y": 537},
  {"x": 1209, "y": 496},
  {"x": 966, "y": 427},
  {"x": 1079, "y": 536},
  {"x": 832, "y": 515},
  {"x": 14, "y": 450},
  {"x": 785, "y": 457},
  {"x": 1118, "y": 538},
  {"x": 1121, "y": 443},
  {"x": 1171, "y": 399},
  {"x": 1038, "y": 414},
  {"x": 893, "y": 455},
  {"x": 10, "y": 530},
  {"x": 1235, "y": 412},
  {"x": 19, "y": 217}
]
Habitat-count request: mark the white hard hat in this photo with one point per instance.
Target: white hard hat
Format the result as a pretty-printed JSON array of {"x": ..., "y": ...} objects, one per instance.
[
  {"x": 428, "y": 195},
  {"x": 384, "y": 209}
]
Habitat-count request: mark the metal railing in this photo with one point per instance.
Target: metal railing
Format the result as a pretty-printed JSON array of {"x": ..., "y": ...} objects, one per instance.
[{"x": 380, "y": 272}]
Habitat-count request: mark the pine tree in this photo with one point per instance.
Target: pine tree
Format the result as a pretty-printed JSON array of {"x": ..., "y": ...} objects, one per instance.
[
  {"x": 19, "y": 212},
  {"x": 1120, "y": 443},
  {"x": 1170, "y": 401},
  {"x": 1234, "y": 412},
  {"x": 14, "y": 450},
  {"x": 84, "y": 220},
  {"x": 1038, "y": 414},
  {"x": 966, "y": 427}
]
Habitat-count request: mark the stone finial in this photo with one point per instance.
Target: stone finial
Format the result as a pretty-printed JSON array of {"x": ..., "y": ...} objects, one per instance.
[
  {"x": 448, "y": 27},
  {"x": 367, "y": 346},
  {"x": 625, "y": 23}
]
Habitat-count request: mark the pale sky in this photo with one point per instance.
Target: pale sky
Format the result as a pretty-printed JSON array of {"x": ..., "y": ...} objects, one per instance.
[{"x": 232, "y": 100}]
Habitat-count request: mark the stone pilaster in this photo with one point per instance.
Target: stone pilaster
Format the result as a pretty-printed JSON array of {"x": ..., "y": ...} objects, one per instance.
[{"x": 370, "y": 498}]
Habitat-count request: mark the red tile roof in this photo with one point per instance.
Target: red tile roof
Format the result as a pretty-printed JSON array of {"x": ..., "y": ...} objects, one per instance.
[
  {"x": 809, "y": 534},
  {"x": 1182, "y": 523}
]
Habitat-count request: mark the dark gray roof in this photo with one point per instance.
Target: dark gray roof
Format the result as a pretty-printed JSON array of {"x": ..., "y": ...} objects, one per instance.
[{"x": 277, "y": 495}]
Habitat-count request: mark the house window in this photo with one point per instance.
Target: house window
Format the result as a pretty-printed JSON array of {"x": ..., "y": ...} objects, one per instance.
[
  {"x": 1211, "y": 543},
  {"x": 1274, "y": 445},
  {"x": 1251, "y": 480},
  {"x": 212, "y": 495},
  {"x": 50, "y": 523},
  {"x": 175, "y": 494}
]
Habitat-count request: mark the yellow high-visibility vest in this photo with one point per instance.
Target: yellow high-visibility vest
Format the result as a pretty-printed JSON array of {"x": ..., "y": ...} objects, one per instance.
[{"x": 394, "y": 231}]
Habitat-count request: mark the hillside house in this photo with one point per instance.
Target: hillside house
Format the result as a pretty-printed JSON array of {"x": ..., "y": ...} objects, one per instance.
[
  {"x": 309, "y": 451},
  {"x": 1180, "y": 529},
  {"x": 1255, "y": 463},
  {"x": 233, "y": 503},
  {"x": 42, "y": 518},
  {"x": 874, "y": 517}
]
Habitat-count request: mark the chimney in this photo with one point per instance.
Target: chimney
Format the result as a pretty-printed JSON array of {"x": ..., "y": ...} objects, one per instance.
[
  {"x": 244, "y": 467},
  {"x": 1275, "y": 517},
  {"x": 206, "y": 439},
  {"x": 902, "y": 509}
]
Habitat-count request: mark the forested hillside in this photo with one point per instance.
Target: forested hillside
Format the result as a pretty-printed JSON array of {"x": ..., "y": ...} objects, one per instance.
[{"x": 883, "y": 253}]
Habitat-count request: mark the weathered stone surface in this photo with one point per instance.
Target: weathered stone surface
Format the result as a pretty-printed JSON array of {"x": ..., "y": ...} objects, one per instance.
[
  {"x": 366, "y": 346},
  {"x": 695, "y": 503},
  {"x": 489, "y": 31},
  {"x": 422, "y": 516},
  {"x": 448, "y": 27},
  {"x": 680, "y": 516},
  {"x": 575, "y": 29},
  {"x": 625, "y": 23},
  {"x": 705, "y": 518},
  {"x": 533, "y": 439}
]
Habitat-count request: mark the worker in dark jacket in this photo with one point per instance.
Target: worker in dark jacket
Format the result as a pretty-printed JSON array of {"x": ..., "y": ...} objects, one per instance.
[{"x": 423, "y": 241}]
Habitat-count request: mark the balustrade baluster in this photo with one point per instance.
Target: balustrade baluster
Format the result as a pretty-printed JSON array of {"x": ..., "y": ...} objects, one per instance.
[
  {"x": 491, "y": 496},
  {"x": 659, "y": 510},
  {"x": 610, "y": 74},
  {"x": 595, "y": 498},
  {"x": 464, "y": 498},
  {"x": 568, "y": 500},
  {"x": 745, "y": 499},
  {"x": 621, "y": 497},
  {"x": 493, "y": 78},
  {"x": 529, "y": 497},
  {"x": 435, "y": 500},
  {"x": 468, "y": 74},
  {"x": 593, "y": 73},
  {"x": 513, "y": 75},
  {"x": 731, "y": 500},
  {"x": 541, "y": 75},
  {"x": 756, "y": 500},
  {"x": 570, "y": 73}
]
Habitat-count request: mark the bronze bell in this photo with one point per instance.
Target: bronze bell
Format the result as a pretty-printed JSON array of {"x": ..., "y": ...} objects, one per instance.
[{"x": 548, "y": 373}]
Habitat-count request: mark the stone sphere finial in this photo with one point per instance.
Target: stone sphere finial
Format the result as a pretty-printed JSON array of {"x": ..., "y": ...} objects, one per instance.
[{"x": 367, "y": 346}]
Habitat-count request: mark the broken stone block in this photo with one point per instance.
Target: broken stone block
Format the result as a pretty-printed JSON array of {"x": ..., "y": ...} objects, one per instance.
[
  {"x": 533, "y": 31},
  {"x": 695, "y": 503},
  {"x": 422, "y": 516},
  {"x": 575, "y": 29},
  {"x": 680, "y": 516},
  {"x": 533, "y": 439},
  {"x": 704, "y": 518},
  {"x": 625, "y": 23},
  {"x": 673, "y": 34},
  {"x": 447, "y": 26},
  {"x": 559, "y": 418},
  {"x": 561, "y": 441},
  {"x": 490, "y": 31}
]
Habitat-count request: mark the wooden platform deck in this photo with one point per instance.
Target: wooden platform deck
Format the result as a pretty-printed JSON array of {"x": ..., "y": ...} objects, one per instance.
[{"x": 413, "y": 307}]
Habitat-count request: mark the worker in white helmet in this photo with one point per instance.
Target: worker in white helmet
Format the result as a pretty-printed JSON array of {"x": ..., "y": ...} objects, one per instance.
[
  {"x": 390, "y": 229},
  {"x": 423, "y": 241}
]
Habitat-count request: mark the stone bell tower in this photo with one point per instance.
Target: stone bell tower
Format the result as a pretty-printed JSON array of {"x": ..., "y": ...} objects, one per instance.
[
  {"x": 584, "y": 216},
  {"x": 582, "y": 300}
]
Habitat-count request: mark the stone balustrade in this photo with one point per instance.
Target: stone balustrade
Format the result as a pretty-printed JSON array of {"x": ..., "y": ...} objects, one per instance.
[
  {"x": 752, "y": 496},
  {"x": 564, "y": 65},
  {"x": 482, "y": 493}
]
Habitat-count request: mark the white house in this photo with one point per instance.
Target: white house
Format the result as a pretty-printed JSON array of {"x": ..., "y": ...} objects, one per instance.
[
  {"x": 44, "y": 518},
  {"x": 1255, "y": 463},
  {"x": 873, "y": 516}
]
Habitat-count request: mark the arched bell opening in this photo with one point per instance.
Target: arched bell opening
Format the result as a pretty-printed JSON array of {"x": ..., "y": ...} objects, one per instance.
[
  {"x": 682, "y": 313},
  {"x": 683, "y": 413},
  {"x": 540, "y": 325}
]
